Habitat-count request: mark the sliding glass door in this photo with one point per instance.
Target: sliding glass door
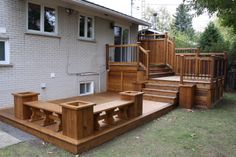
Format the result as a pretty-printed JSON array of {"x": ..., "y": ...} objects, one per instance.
[{"x": 121, "y": 37}]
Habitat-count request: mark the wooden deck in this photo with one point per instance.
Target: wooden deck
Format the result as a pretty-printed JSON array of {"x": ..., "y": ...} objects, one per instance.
[{"x": 151, "y": 110}]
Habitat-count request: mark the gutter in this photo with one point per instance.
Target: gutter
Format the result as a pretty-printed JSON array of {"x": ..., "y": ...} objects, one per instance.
[{"x": 107, "y": 11}]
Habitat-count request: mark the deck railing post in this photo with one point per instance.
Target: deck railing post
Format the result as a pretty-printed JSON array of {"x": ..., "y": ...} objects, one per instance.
[
  {"x": 148, "y": 63},
  {"x": 107, "y": 56},
  {"x": 165, "y": 47},
  {"x": 212, "y": 68},
  {"x": 182, "y": 69},
  {"x": 138, "y": 57},
  {"x": 197, "y": 62},
  {"x": 174, "y": 57}
]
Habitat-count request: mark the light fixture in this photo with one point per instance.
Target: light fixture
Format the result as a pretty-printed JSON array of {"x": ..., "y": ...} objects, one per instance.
[{"x": 69, "y": 11}]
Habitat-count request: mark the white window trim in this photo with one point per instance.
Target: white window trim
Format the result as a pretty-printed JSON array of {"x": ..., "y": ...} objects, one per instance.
[
  {"x": 86, "y": 28},
  {"x": 92, "y": 88},
  {"x": 42, "y": 7},
  {"x": 7, "y": 52}
]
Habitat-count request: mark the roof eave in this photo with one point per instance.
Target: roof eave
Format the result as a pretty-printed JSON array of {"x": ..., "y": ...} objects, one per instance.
[{"x": 108, "y": 11}]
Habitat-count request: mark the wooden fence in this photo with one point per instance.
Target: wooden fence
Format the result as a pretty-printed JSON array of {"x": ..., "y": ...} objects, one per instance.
[{"x": 161, "y": 46}]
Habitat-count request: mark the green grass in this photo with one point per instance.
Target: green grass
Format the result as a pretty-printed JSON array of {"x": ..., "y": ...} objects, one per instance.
[{"x": 201, "y": 133}]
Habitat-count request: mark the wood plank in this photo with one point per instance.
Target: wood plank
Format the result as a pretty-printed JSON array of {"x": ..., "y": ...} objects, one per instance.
[{"x": 45, "y": 105}]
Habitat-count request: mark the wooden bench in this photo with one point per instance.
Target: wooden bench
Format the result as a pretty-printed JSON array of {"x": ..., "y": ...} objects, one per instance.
[
  {"x": 117, "y": 107},
  {"x": 49, "y": 111}
]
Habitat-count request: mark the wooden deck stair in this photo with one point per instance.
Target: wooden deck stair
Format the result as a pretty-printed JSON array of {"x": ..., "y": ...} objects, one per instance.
[
  {"x": 160, "y": 70},
  {"x": 164, "y": 91}
]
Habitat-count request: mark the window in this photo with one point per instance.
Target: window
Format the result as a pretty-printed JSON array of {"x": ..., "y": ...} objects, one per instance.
[
  {"x": 86, "y": 88},
  {"x": 42, "y": 18},
  {"x": 86, "y": 27},
  {"x": 4, "y": 52}
]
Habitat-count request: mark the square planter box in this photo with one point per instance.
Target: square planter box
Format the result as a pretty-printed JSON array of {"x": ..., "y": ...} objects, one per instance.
[
  {"x": 77, "y": 119},
  {"x": 20, "y": 110}
]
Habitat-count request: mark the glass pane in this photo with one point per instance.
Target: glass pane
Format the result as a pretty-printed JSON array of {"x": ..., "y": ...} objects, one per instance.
[
  {"x": 49, "y": 19},
  {"x": 90, "y": 27},
  {"x": 88, "y": 87},
  {"x": 81, "y": 26},
  {"x": 82, "y": 88},
  {"x": 34, "y": 17},
  {"x": 2, "y": 51},
  {"x": 117, "y": 41}
]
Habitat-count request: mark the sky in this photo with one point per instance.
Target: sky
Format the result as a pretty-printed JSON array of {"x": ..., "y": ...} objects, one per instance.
[{"x": 124, "y": 6}]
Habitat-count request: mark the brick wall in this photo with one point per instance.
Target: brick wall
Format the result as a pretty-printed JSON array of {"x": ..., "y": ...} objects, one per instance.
[{"x": 35, "y": 57}]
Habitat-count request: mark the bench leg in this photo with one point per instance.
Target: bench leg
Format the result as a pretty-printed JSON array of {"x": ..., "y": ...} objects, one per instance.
[
  {"x": 47, "y": 120},
  {"x": 36, "y": 115},
  {"x": 109, "y": 117},
  {"x": 96, "y": 121},
  {"x": 59, "y": 126}
]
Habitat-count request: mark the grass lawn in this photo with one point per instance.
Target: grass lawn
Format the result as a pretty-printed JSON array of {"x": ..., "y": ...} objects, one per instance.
[{"x": 182, "y": 133}]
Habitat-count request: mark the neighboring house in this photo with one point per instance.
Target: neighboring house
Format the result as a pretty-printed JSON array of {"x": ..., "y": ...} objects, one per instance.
[{"x": 57, "y": 47}]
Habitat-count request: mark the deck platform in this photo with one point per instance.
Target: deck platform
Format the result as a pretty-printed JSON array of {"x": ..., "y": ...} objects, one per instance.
[{"x": 151, "y": 110}]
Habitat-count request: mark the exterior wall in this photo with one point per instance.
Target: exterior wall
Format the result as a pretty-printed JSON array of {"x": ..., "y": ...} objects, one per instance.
[{"x": 34, "y": 57}]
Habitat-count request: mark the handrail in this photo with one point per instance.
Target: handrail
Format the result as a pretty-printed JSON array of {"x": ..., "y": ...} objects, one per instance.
[
  {"x": 144, "y": 62},
  {"x": 140, "y": 56}
]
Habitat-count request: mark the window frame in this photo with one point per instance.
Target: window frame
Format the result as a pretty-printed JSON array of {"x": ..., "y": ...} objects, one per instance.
[
  {"x": 42, "y": 10},
  {"x": 85, "y": 37},
  {"x": 7, "y": 52},
  {"x": 91, "y": 90}
]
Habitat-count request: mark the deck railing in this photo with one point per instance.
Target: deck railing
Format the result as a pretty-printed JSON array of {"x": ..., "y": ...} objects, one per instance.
[
  {"x": 201, "y": 66},
  {"x": 132, "y": 54},
  {"x": 161, "y": 46}
]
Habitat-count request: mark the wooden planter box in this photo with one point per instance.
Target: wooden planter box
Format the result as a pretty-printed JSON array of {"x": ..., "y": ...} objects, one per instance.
[
  {"x": 20, "y": 110},
  {"x": 137, "y": 97},
  {"x": 77, "y": 119}
]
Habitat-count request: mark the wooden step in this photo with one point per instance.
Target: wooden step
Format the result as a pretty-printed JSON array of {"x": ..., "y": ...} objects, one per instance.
[
  {"x": 162, "y": 86},
  {"x": 156, "y": 80},
  {"x": 160, "y": 70},
  {"x": 158, "y": 65},
  {"x": 160, "y": 98},
  {"x": 160, "y": 74},
  {"x": 160, "y": 92}
]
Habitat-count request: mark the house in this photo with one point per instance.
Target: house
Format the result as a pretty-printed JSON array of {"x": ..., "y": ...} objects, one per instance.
[
  {"x": 65, "y": 48},
  {"x": 57, "y": 47}
]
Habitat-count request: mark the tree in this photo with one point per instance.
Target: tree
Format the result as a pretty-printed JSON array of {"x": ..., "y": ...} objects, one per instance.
[
  {"x": 225, "y": 9},
  {"x": 183, "y": 20},
  {"x": 211, "y": 39},
  {"x": 163, "y": 20}
]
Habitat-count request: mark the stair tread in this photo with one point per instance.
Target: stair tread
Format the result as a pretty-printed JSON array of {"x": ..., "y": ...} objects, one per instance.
[
  {"x": 161, "y": 90},
  {"x": 163, "y": 72},
  {"x": 168, "y": 85},
  {"x": 160, "y": 96}
]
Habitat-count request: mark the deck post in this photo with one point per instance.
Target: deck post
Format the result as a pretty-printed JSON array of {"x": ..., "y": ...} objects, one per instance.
[
  {"x": 165, "y": 47},
  {"x": 186, "y": 95},
  {"x": 107, "y": 56},
  {"x": 137, "y": 97},
  {"x": 173, "y": 60},
  {"x": 77, "y": 119},
  {"x": 212, "y": 68},
  {"x": 197, "y": 60},
  {"x": 20, "y": 110},
  {"x": 182, "y": 69},
  {"x": 138, "y": 55}
]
